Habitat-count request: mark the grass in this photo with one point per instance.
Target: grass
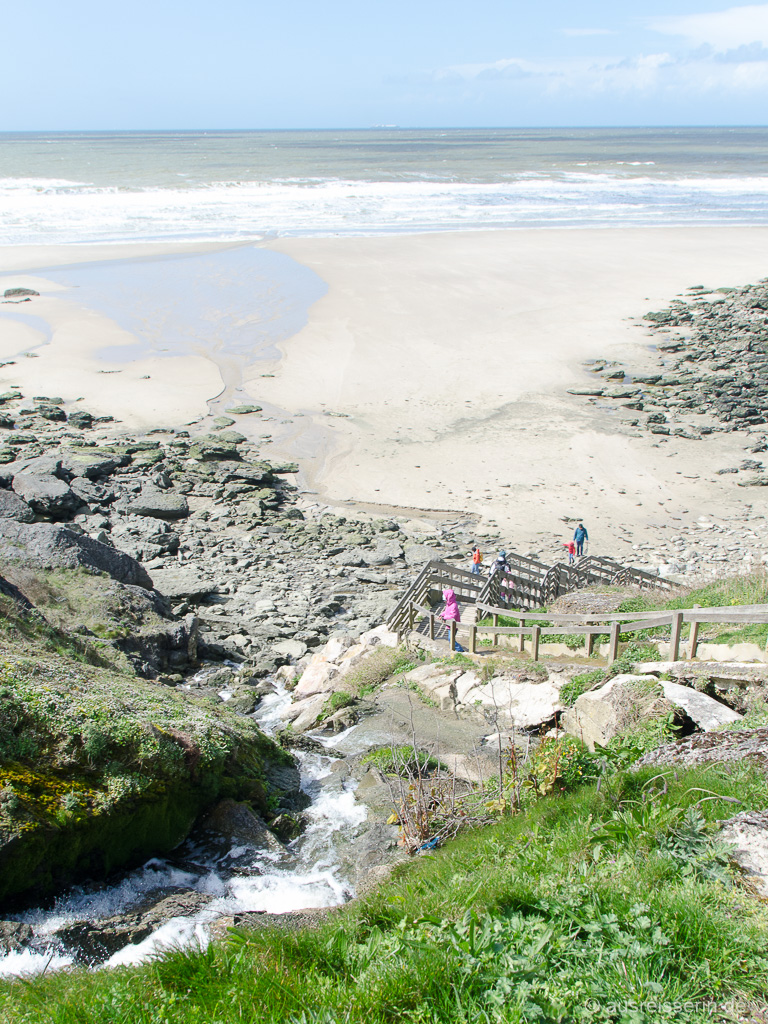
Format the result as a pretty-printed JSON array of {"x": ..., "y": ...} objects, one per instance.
[
  {"x": 377, "y": 668},
  {"x": 585, "y": 908},
  {"x": 734, "y": 590},
  {"x": 401, "y": 760}
]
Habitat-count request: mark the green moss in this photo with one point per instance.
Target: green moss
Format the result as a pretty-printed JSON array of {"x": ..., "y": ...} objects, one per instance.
[{"x": 100, "y": 769}]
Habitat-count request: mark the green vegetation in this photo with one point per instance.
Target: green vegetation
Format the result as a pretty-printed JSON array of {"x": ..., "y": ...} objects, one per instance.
[
  {"x": 600, "y": 906},
  {"x": 733, "y": 590},
  {"x": 99, "y": 768},
  {"x": 401, "y": 761},
  {"x": 377, "y": 668},
  {"x": 580, "y": 683}
]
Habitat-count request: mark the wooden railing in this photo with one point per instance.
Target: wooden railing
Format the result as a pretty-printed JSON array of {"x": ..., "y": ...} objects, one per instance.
[
  {"x": 420, "y": 600},
  {"x": 613, "y": 625}
]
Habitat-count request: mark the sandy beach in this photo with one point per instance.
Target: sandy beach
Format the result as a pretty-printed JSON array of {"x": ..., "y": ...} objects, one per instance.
[{"x": 433, "y": 375}]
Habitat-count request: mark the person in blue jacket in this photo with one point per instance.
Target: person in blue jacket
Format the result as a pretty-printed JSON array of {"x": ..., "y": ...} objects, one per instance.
[{"x": 579, "y": 536}]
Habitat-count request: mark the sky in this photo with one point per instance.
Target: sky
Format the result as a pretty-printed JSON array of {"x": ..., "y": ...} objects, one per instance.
[{"x": 160, "y": 64}]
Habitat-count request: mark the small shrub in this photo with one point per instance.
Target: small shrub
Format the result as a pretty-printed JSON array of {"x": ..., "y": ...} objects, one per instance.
[
  {"x": 401, "y": 761},
  {"x": 559, "y": 764}
]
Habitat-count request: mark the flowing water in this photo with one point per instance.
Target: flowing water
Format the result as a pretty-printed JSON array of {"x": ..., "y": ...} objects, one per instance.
[{"x": 238, "y": 879}]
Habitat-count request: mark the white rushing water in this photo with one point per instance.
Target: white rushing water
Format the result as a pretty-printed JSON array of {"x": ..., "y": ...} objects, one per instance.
[{"x": 307, "y": 877}]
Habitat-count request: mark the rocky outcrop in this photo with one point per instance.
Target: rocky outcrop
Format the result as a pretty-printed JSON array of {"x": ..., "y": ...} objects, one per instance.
[
  {"x": 94, "y": 942},
  {"x": 747, "y": 832},
  {"x": 712, "y": 748},
  {"x": 627, "y": 700},
  {"x": 49, "y": 546},
  {"x": 102, "y": 770}
]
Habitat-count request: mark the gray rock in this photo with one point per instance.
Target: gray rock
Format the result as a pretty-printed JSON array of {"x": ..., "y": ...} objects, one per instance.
[
  {"x": 96, "y": 941},
  {"x": 88, "y": 462},
  {"x": 46, "y": 494},
  {"x": 748, "y": 832},
  {"x": 80, "y": 419},
  {"x": 183, "y": 581},
  {"x": 158, "y": 504},
  {"x": 238, "y": 822},
  {"x": 13, "y": 936},
  {"x": 293, "y": 649},
  {"x": 19, "y": 293},
  {"x": 52, "y": 546},
  {"x": 706, "y": 712},
  {"x": 12, "y": 507},
  {"x": 243, "y": 410},
  {"x": 418, "y": 554},
  {"x": 598, "y": 715}
]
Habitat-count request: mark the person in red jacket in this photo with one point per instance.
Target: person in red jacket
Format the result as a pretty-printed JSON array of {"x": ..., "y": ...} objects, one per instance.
[
  {"x": 477, "y": 558},
  {"x": 571, "y": 545}
]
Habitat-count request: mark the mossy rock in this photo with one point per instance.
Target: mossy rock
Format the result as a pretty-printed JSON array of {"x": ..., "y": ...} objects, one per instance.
[{"x": 100, "y": 770}]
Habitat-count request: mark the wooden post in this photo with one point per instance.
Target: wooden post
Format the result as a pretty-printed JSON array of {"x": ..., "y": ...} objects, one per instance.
[
  {"x": 613, "y": 645},
  {"x": 496, "y": 620},
  {"x": 452, "y": 634},
  {"x": 674, "y": 643},
  {"x": 535, "y": 634},
  {"x": 694, "y": 640},
  {"x": 431, "y": 626},
  {"x": 589, "y": 640},
  {"x": 522, "y": 642},
  {"x": 473, "y": 639}
]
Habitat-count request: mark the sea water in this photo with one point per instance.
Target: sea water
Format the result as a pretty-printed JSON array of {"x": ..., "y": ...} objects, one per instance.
[{"x": 229, "y": 185}]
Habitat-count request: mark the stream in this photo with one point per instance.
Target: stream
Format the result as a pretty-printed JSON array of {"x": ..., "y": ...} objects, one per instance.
[{"x": 207, "y": 877}]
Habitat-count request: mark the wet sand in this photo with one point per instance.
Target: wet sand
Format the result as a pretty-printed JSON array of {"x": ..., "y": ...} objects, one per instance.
[{"x": 433, "y": 374}]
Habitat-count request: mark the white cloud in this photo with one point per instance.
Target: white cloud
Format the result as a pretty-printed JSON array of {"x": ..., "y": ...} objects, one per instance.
[
  {"x": 722, "y": 30},
  {"x": 724, "y": 53},
  {"x": 699, "y": 73}
]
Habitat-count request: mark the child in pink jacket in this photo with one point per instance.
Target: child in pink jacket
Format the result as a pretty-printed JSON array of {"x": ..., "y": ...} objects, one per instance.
[{"x": 451, "y": 613}]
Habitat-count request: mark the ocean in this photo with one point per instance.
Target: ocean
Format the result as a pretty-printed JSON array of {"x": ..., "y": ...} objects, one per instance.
[{"x": 78, "y": 187}]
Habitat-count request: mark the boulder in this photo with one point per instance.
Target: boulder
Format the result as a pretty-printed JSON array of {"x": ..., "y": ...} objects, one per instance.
[
  {"x": 748, "y": 832},
  {"x": 12, "y": 507},
  {"x": 318, "y": 677},
  {"x": 88, "y": 462},
  {"x": 523, "y": 705},
  {"x": 304, "y": 713},
  {"x": 158, "y": 504},
  {"x": 418, "y": 554},
  {"x": 19, "y": 293},
  {"x": 47, "y": 495},
  {"x": 238, "y": 823},
  {"x": 80, "y": 419},
  {"x": 94, "y": 942},
  {"x": 706, "y": 712},
  {"x": 293, "y": 649},
  {"x": 184, "y": 581},
  {"x": 51, "y": 546},
  {"x": 243, "y": 410},
  {"x": 598, "y": 715},
  {"x": 13, "y": 936}
]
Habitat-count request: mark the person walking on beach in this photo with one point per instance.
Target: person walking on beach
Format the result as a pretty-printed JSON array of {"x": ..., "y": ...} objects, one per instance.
[
  {"x": 580, "y": 535},
  {"x": 477, "y": 558},
  {"x": 451, "y": 613},
  {"x": 571, "y": 551}
]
